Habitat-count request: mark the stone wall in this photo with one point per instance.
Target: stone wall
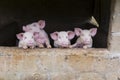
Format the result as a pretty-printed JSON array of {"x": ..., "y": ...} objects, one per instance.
[
  {"x": 58, "y": 64},
  {"x": 114, "y": 34},
  {"x": 65, "y": 64}
]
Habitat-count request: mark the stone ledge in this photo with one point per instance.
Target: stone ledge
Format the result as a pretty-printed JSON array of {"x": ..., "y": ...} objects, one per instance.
[
  {"x": 53, "y": 51},
  {"x": 114, "y": 42},
  {"x": 57, "y": 64}
]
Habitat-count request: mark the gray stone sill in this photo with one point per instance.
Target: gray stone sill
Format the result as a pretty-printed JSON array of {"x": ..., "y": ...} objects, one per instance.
[
  {"x": 54, "y": 51},
  {"x": 58, "y": 64}
]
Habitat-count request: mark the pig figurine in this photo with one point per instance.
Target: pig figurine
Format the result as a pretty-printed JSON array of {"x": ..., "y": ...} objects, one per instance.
[
  {"x": 42, "y": 37},
  {"x": 62, "y": 38},
  {"x": 85, "y": 37},
  {"x": 26, "y": 40}
]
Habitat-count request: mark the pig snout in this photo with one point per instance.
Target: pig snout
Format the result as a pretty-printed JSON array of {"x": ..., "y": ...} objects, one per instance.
[
  {"x": 86, "y": 41},
  {"x": 64, "y": 45},
  {"x": 39, "y": 40},
  {"x": 30, "y": 42}
]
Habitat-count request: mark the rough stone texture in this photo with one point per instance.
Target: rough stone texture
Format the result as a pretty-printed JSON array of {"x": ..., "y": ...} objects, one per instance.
[
  {"x": 117, "y": 6},
  {"x": 91, "y": 76},
  {"x": 116, "y": 16},
  {"x": 58, "y": 64},
  {"x": 114, "y": 34},
  {"x": 114, "y": 43},
  {"x": 116, "y": 23},
  {"x": 113, "y": 76}
]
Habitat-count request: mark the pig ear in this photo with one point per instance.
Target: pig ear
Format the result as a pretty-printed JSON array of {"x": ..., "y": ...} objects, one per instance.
[
  {"x": 25, "y": 28},
  {"x": 41, "y": 23},
  {"x": 78, "y": 31},
  {"x": 54, "y": 35},
  {"x": 93, "y": 31},
  {"x": 71, "y": 34},
  {"x": 20, "y": 36}
]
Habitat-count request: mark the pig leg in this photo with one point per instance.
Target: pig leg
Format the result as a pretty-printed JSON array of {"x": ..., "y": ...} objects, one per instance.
[
  {"x": 48, "y": 44},
  {"x": 24, "y": 46},
  {"x": 41, "y": 45},
  {"x": 20, "y": 45},
  {"x": 32, "y": 47},
  {"x": 87, "y": 46},
  {"x": 55, "y": 45},
  {"x": 72, "y": 46}
]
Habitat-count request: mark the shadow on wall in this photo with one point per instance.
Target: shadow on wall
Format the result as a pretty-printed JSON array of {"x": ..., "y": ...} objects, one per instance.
[{"x": 8, "y": 34}]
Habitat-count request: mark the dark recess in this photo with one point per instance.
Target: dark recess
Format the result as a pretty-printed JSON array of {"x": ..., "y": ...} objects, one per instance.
[{"x": 59, "y": 15}]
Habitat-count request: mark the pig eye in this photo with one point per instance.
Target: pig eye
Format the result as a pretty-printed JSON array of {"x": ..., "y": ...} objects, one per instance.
[
  {"x": 25, "y": 37},
  {"x": 59, "y": 37},
  {"x": 34, "y": 25}
]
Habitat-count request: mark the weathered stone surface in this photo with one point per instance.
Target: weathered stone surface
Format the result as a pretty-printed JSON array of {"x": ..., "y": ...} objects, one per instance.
[
  {"x": 114, "y": 33},
  {"x": 114, "y": 43},
  {"x": 57, "y": 64},
  {"x": 91, "y": 76},
  {"x": 116, "y": 23},
  {"x": 117, "y": 6},
  {"x": 63, "y": 76},
  {"x": 115, "y": 16},
  {"x": 113, "y": 76}
]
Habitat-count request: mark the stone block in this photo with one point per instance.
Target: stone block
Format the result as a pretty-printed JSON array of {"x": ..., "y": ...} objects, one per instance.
[
  {"x": 91, "y": 76},
  {"x": 114, "y": 43}
]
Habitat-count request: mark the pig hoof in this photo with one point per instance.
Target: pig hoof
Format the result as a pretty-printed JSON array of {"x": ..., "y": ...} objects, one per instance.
[
  {"x": 25, "y": 47},
  {"x": 32, "y": 47},
  {"x": 49, "y": 46},
  {"x": 85, "y": 47},
  {"x": 70, "y": 46},
  {"x": 41, "y": 46}
]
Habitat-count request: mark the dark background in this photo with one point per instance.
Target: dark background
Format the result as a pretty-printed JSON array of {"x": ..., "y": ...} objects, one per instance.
[{"x": 59, "y": 15}]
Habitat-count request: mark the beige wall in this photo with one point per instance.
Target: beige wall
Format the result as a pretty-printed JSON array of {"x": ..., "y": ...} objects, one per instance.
[
  {"x": 58, "y": 64},
  {"x": 114, "y": 34},
  {"x": 65, "y": 64}
]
